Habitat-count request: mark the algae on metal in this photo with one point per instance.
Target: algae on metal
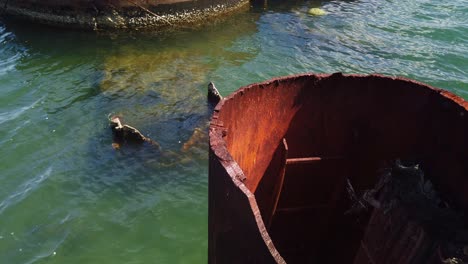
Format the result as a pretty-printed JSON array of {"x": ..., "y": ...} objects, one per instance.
[{"x": 133, "y": 17}]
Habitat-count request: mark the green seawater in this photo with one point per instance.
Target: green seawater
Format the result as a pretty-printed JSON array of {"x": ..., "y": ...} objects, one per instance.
[{"x": 66, "y": 196}]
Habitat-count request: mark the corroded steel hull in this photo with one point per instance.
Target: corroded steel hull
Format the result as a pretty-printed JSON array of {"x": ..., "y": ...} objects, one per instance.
[
  {"x": 281, "y": 153},
  {"x": 121, "y": 14}
]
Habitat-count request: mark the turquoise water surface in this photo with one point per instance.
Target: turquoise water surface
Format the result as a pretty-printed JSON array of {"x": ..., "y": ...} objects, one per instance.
[{"x": 66, "y": 196}]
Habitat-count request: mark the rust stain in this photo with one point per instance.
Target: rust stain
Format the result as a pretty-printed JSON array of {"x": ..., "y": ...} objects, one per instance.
[{"x": 337, "y": 127}]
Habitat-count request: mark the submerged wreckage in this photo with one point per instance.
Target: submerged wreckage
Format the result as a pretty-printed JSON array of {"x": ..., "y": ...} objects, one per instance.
[
  {"x": 339, "y": 169},
  {"x": 125, "y": 134}
]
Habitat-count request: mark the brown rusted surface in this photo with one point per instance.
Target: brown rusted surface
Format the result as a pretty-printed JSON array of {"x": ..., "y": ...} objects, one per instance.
[{"x": 361, "y": 122}]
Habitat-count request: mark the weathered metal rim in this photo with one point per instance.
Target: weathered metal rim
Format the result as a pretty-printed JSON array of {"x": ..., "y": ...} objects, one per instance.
[
  {"x": 126, "y": 18},
  {"x": 218, "y": 144}
]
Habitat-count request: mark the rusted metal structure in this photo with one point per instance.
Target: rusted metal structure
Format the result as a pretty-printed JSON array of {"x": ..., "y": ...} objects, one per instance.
[
  {"x": 120, "y": 14},
  {"x": 281, "y": 152}
]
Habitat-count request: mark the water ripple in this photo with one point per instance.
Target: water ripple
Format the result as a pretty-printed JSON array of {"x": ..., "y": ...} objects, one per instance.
[
  {"x": 10, "y": 53},
  {"x": 23, "y": 191},
  {"x": 50, "y": 250},
  {"x": 11, "y": 115},
  {"x": 9, "y": 64}
]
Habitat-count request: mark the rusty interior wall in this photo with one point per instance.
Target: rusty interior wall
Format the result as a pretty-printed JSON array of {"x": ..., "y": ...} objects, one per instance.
[
  {"x": 374, "y": 119},
  {"x": 266, "y": 112},
  {"x": 305, "y": 219},
  {"x": 367, "y": 120}
]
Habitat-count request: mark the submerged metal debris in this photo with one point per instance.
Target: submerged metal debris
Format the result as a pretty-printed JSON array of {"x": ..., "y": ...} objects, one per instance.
[
  {"x": 413, "y": 208},
  {"x": 123, "y": 133},
  {"x": 213, "y": 94},
  {"x": 127, "y": 134}
]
